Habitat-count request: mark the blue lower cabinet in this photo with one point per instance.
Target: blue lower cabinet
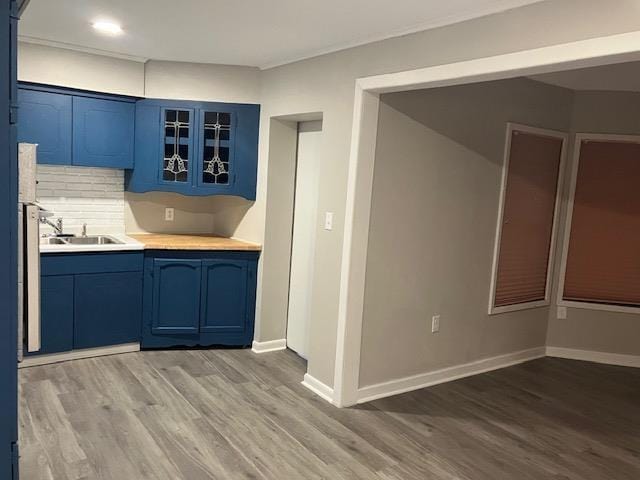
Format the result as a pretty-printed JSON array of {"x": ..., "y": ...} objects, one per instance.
[
  {"x": 199, "y": 298},
  {"x": 90, "y": 300},
  {"x": 56, "y": 314},
  {"x": 176, "y": 295},
  {"x": 108, "y": 309},
  {"x": 224, "y": 296}
]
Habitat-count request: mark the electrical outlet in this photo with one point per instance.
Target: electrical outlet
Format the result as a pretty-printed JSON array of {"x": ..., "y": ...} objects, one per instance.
[
  {"x": 328, "y": 221},
  {"x": 562, "y": 313},
  {"x": 435, "y": 324},
  {"x": 169, "y": 214}
]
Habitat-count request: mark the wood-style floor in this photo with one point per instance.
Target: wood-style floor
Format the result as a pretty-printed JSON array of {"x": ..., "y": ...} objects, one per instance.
[{"x": 227, "y": 414}]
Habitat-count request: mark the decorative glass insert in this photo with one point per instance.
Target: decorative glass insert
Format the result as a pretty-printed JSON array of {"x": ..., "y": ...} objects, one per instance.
[
  {"x": 176, "y": 146},
  {"x": 215, "y": 161}
]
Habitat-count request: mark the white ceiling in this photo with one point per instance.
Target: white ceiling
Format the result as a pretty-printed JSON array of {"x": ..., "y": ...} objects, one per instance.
[
  {"x": 617, "y": 77},
  {"x": 241, "y": 32}
]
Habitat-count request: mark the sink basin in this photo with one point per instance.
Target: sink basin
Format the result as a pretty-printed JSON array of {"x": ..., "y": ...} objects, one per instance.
[
  {"x": 94, "y": 240},
  {"x": 52, "y": 241}
]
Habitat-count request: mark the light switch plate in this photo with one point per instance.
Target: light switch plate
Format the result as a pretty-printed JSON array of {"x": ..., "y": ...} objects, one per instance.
[
  {"x": 328, "y": 221},
  {"x": 435, "y": 324},
  {"x": 169, "y": 214}
]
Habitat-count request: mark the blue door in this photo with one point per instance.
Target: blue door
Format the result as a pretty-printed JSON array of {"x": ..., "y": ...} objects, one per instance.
[
  {"x": 45, "y": 119},
  {"x": 8, "y": 244},
  {"x": 224, "y": 296},
  {"x": 108, "y": 309},
  {"x": 103, "y": 132},
  {"x": 176, "y": 296}
]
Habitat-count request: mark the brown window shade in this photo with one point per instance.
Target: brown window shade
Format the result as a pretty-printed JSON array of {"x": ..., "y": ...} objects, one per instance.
[
  {"x": 603, "y": 260},
  {"x": 527, "y": 219}
]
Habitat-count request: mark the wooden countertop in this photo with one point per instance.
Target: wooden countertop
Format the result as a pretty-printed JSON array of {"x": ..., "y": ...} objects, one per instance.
[{"x": 157, "y": 241}]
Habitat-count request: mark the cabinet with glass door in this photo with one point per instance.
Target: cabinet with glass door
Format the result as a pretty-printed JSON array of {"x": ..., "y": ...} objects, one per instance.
[{"x": 195, "y": 148}]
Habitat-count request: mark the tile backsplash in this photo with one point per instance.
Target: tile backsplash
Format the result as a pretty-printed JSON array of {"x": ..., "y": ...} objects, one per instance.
[{"x": 94, "y": 196}]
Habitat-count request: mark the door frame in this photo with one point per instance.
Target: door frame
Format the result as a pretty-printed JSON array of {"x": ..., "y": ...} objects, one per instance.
[{"x": 580, "y": 54}]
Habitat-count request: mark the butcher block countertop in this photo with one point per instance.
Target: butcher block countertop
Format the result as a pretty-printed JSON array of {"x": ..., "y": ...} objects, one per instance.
[{"x": 157, "y": 241}]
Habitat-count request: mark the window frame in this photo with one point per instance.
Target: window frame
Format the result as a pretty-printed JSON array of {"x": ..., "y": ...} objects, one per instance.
[
  {"x": 564, "y": 137},
  {"x": 573, "y": 179}
]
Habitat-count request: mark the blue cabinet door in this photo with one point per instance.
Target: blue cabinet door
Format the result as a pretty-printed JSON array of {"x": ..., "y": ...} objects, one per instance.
[
  {"x": 56, "y": 314},
  {"x": 176, "y": 296},
  {"x": 103, "y": 132},
  {"x": 246, "y": 150},
  {"x": 176, "y": 163},
  {"x": 108, "y": 309},
  {"x": 144, "y": 176},
  {"x": 224, "y": 296},
  {"x": 215, "y": 160},
  {"x": 45, "y": 119}
]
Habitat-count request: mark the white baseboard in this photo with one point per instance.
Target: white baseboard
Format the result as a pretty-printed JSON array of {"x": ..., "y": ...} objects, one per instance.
[
  {"x": 78, "y": 354},
  {"x": 415, "y": 382},
  {"x": 270, "y": 346},
  {"x": 319, "y": 388},
  {"x": 593, "y": 356}
]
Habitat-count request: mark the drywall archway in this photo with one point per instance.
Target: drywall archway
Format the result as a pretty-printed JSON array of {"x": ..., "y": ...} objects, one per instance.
[{"x": 581, "y": 54}]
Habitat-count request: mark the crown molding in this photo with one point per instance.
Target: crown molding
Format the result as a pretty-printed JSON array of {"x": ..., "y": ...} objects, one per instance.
[
  {"x": 79, "y": 48},
  {"x": 497, "y": 6}
]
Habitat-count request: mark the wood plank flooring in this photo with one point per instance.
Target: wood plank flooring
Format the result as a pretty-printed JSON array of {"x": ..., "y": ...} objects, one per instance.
[{"x": 232, "y": 414}]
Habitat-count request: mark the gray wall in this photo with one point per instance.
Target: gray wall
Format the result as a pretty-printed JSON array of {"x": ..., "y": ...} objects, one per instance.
[
  {"x": 69, "y": 68},
  {"x": 611, "y": 332},
  {"x": 326, "y": 84},
  {"x": 434, "y": 209}
]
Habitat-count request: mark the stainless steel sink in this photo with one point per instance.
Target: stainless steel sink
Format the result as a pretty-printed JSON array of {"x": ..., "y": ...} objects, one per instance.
[
  {"x": 93, "y": 240},
  {"x": 52, "y": 241}
]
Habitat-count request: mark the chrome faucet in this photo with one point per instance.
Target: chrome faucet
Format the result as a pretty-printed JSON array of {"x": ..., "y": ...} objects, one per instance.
[
  {"x": 84, "y": 229},
  {"x": 56, "y": 226}
]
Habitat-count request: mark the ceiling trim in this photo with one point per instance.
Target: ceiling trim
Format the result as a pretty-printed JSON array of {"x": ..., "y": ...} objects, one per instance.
[
  {"x": 79, "y": 48},
  {"x": 494, "y": 7},
  {"x": 497, "y": 6}
]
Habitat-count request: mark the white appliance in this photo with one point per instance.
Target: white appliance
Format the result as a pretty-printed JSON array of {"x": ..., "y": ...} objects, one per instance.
[{"x": 28, "y": 252}]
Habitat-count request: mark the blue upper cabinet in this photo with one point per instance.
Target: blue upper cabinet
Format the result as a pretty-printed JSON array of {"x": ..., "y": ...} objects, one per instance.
[
  {"x": 196, "y": 148},
  {"x": 192, "y": 148},
  {"x": 45, "y": 119},
  {"x": 77, "y": 128},
  {"x": 103, "y": 132}
]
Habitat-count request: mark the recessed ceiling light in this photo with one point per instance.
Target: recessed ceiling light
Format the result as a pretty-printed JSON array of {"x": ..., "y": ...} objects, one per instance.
[{"x": 109, "y": 28}]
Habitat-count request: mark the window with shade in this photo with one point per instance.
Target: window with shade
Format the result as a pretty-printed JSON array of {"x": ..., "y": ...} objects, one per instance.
[
  {"x": 601, "y": 257},
  {"x": 527, "y": 218}
]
